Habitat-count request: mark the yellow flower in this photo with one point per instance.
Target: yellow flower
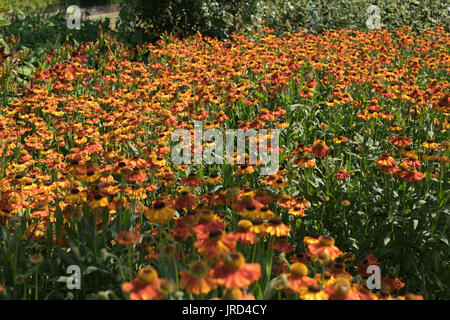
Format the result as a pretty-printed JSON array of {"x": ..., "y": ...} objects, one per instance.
[
  {"x": 314, "y": 292},
  {"x": 99, "y": 201},
  {"x": 160, "y": 213}
]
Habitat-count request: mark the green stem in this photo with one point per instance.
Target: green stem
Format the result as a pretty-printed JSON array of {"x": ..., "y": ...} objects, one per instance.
[
  {"x": 129, "y": 264},
  {"x": 36, "y": 286}
]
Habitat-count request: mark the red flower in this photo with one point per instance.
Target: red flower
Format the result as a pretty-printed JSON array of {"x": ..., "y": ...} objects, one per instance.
[
  {"x": 391, "y": 283},
  {"x": 185, "y": 200},
  {"x": 341, "y": 174},
  {"x": 192, "y": 181},
  {"x": 320, "y": 149},
  {"x": 369, "y": 260},
  {"x": 400, "y": 141}
]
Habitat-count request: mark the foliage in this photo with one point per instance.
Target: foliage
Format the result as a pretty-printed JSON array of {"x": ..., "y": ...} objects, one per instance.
[
  {"x": 146, "y": 20},
  {"x": 37, "y": 36},
  {"x": 85, "y": 156}
]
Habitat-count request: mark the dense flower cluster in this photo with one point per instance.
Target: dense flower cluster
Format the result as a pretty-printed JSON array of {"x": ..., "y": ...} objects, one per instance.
[{"x": 95, "y": 139}]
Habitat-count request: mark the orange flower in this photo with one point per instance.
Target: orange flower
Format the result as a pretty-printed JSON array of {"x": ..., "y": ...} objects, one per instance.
[
  {"x": 282, "y": 244},
  {"x": 386, "y": 295},
  {"x": 364, "y": 292},
  {"x": 338, "y": 270},
  {"x": 243, "y": 234},
  {"x": 213, "y": 178},
  {"x": 198, "y": 280},
  {"x": 339, "y": 140},
  {"x": 305, "y": 162},
  {"x": 160, "y": 213},
  {"x": 430, "y": 144},
  {"x": 145, "y": 286},
  {"x": 137, "y": 175},
  {"x": 128, "y": 237},
  {"x": 324, "y": 250},
  {"x": 298, "y": 280},
  {"x": 276, "y": 228},
  {"x": 217, "y": 244},
  {"x": 400, "y": 141},
  {"x": 391, "y": 283},
  {"x": 411, "y": 296},
  {"x": 76, "y": 195},
  {"x": 411, "y": 175},
  {"x": 412, "y": 160},
  {"x": 235, "y": 294},
  {"x": 232, "y": 272},
  {"x": 297, "y": 211},
  {"x": 313, "y": 292},
  {"x": 342, "y": 174},
  {"x": 98, "y": 200},
  {"x": 245, "y": 169},
  {"x": 342, "y": 290},
  {"x": 385, "y": 161},
  {"x": 258, "y": 227}
]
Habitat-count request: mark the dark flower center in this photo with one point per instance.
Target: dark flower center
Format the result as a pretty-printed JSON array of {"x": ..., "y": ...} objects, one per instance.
[
  {"x": 159, "y": 205},
  {"x": 275, "y": 221},
  {"x": 257, "y": 221},
  {"x": 314, "y": 287},
  {"x": 215, "y": 233}
]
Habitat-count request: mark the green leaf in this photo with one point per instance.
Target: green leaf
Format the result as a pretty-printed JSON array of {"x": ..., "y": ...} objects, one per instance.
[
  {"x": 62, "y": 279},
  {"x": 91, "y": 269},
  {"x": 4, "y": 22},
  {"x": 25, "y": 70}
]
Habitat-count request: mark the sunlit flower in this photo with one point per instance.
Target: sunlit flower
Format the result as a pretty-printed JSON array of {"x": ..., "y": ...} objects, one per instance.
[
  {"x": 233, "y": 272},
  {"x": 342, "y": 290},
  {"x": 298, "y": 277},
  {"x": 217, "y": 244},
  {"x": 145, "y": 286},
  {"x": 160, "y": 213},
  {"x": 324, "y": 250}
]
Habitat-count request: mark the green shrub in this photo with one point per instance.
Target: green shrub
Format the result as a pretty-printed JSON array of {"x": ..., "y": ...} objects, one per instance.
[{"x": 148, "y": 19}]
